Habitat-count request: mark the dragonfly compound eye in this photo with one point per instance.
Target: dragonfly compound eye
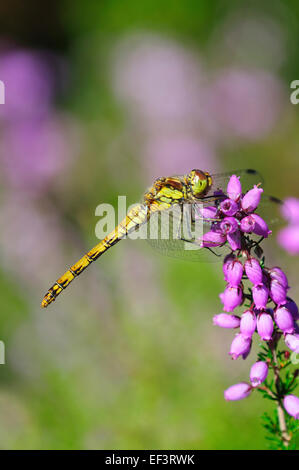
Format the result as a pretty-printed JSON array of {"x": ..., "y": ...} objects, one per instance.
[{"x": 199, "y": 182}]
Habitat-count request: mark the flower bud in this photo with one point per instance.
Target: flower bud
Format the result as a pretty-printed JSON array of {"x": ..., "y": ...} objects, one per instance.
[
  {"x": 240, "y": 346},
  {"x": 231, "y": 298},
  {"x": 247, "y": 224},
  {"x": 292, "y": 342},
  {"x": 234, "y": 273},
  {"x": 229, "y": 207},
  {"x": 291, "y": 404},
  {"x": 248, "y": 323},
  {"x": 227, "y": 261},
  {"x": 258, "y": 373},
  {"x": 280, "y": 276},
  {"x": 252, "y": 199},
  {"x": 237, "y": 391},
  {"x": 234, "y": 188},
  {"x": 284, "y": 319},
  {"x": 265, "y": 326},
  {"x": 213, "y": 238},
  {"x": 206, "y": 212},
  {"x": 260, "y": 295},
  {"x": 234, "y": 239},
  {"x": 224, "y": 320},
  {"x": 260, "y": 227},
  {"x": 253, "y": 271},
  {"x": 292, "y": 307},
  {"x": 278, "y": 293}
]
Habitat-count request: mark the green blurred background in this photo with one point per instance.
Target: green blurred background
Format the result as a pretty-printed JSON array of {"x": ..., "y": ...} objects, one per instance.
[{"x": 101, "y": 98}]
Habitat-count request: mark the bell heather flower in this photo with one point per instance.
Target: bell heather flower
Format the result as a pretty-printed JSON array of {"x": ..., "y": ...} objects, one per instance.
[
  {"x": 236, "y": 220},
  {"x": 248, "y": 323},
  {"x": 292, "y": 342},
  {"x": 234, "y": 240},
  {"x": 234, "y": 188},
  {"x": 229, "y": 207},
  {"x": 284, "y": 319},
  {"x": 253, "y": 270},
  {"x": 288, "y": 237},
  {"x": 260, "y": 296},
  {"x": 237, "y": 391},
  {"x": 224, "y": 320},
  {"x": 229, "y": 225},
  {"x": 265, "y": 326},
  {"x": 240, "y": 346},
  {"x": 292, "y": 307},
  {"x": 278, "y": 292},
  {"x": 279, "y": 276},
  {"x": 291, "y": 404},
  {"x": 258, "y": 373},
  {"x": 234, "y": 273},
  {"x": 247, "y": 224},
  {"x": 208, "y": 212},
  {"x": 231, "y": 298},
  {"x": 252, "y": 199},
  {"x": 212, "y": 239},
  {"x": 260, "y": 227}
]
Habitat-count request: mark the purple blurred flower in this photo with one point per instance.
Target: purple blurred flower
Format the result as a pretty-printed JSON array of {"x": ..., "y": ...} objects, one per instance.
[
  {"x": 278, "y": 292},
  {"x": 224, "y": 320},
  {"x": 34, "y": 152},
  {"x": 253, "y": 270},
  {"x": 284, "y": 319},
  {"x": 240, "y": 346},
  {"x": 231, "y": 298},
  {"x": 237, "y": 89},
  {"x": 252, "y": 199},
  {"x": 292, "y": 342},
  {"x": 237, "y": 391},
  {"x": 229, "y": 207},
  {"x": 265, "y": 326},
  {"x": 288, "y": 238},
  {"x": 234, "y": 188},
  {"x": 28, "y": 83},
  {"x": 258, "y": 373},
  {"x": 248, "y": 323},
  {"x": 260, "y": 295},
  {"x": 234, "y": 273},
  {"x": 291, "y": 404},
  {"x": 290, "y": 210}
]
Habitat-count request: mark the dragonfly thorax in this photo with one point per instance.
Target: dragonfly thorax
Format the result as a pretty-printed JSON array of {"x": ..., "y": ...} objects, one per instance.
[{"x": 198, "y": 183}]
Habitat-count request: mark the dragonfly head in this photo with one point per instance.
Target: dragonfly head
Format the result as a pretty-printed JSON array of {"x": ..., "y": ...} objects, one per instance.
[{"x": 199, "y": 182}]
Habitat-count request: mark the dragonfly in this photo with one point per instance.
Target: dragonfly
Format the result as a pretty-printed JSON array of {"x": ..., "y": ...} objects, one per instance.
[{"x": 166, "y": 194}]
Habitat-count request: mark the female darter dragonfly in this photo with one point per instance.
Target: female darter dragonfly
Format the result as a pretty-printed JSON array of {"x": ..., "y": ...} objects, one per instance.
[{"x": 166, "y": 193}]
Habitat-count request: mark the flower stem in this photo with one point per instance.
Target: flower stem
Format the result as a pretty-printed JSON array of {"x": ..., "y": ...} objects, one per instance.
[{"x": 285, "y": 437}]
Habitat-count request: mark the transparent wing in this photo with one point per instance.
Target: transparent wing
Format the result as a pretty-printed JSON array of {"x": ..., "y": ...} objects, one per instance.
[{"x": 175, "y": 233}]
